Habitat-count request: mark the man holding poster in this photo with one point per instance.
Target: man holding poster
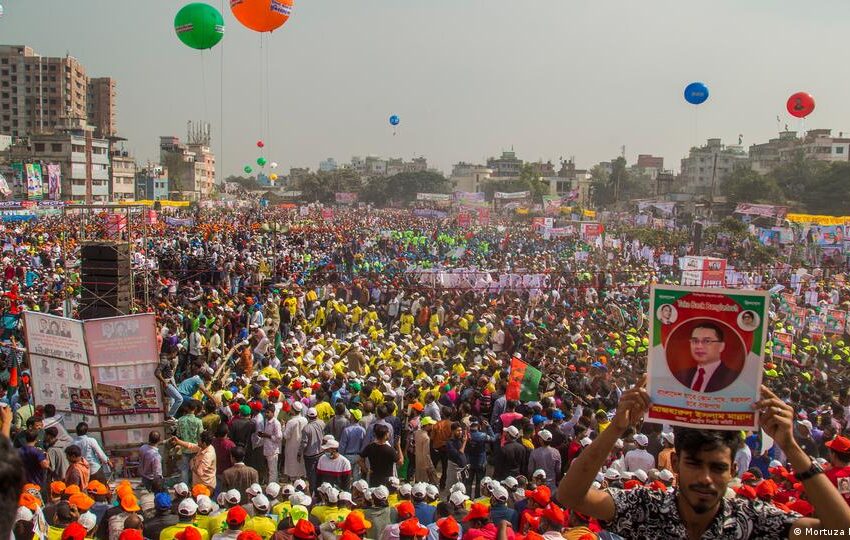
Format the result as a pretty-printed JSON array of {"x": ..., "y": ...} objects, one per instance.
[{"x": 705, "y": 368}]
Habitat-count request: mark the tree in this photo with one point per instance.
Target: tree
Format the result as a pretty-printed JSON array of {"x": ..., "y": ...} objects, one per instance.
[
  {"x": 246, "y": 182},
  {"x": 321, "y": 186},
  {"x": 829, "y": 191},
  {"x": 796, "y": 176},
  {"x": 403, "y": 187},
  {"x": 747, "y": 185},
  {"x": 529, "y": 180}
]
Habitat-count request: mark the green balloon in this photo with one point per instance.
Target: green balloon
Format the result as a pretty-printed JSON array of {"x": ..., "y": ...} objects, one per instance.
[
  {"x": 199, "y": 26},
  {"x": 261, "y": 161},
  {"x": 248, "y": 169}
]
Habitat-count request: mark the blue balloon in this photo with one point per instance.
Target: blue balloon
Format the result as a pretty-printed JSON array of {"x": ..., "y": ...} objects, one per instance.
[
  {"x": 395, "y": 120},
  {"x": 696, "y": 93}
]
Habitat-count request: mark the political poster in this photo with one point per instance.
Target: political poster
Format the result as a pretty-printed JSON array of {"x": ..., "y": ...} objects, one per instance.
[
  {"x": 782, "y": 345},
  {"x": 327, "y": 214},
  {"x": 703, "y": 271},
  {"x": 52, "y": 336},
  {"x": 345, "y": 197},
  {"x": 82, "y": 401},
  {"x": 797, "y": 318},
  {"x": 706, "y": 356},
  {"x": 590, "y": 230},
  {"x": 836, "y": 321}
]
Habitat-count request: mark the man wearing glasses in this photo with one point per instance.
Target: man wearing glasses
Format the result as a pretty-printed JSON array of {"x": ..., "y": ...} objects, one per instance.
[{"x": 709, "y": 374}]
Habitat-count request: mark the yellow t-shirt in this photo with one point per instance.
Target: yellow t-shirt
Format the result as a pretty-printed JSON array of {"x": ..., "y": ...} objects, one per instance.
[
  {"x": 169, "y": 533},
  {"x": 217, "y": 523},
  {"x": 265, "y": 526}
]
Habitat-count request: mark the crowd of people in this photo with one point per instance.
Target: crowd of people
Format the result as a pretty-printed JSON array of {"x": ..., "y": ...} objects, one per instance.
[{"x": 348, "y": 377}]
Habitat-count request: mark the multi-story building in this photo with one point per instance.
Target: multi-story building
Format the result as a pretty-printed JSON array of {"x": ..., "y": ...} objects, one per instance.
[
  {"x": 191, "y": 166},
  {"x": 765, "y": 157},
  {"x": 819, "y": 144},
  {"x": 123, "y": 182},
  {"x": 469, "y": 177},
  {"x": 572, "y": 181},
  {"x": 152, "y": 183},
  {"x": 5, "y": 142},
  {"x": 37, "y": 92},
  {"x": 100, "y": 104},
  {"x": 648, "y": 165},
  {"x": 328, "y": 165},
  {"x": 75, "y": 150},
  {"x": 705, "y": 168},
  {"x": 505, "y": 166}
]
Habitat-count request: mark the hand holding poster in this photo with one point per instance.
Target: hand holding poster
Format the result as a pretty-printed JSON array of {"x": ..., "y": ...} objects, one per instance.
[{"x": 706, "y": 356}]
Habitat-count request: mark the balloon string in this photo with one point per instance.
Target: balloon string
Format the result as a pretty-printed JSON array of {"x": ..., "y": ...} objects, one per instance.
[
  {"x": 220, "y": 162},
  {"x": 204, "y": 84},
  {"x": 268, "y": 93},
  {"x": 261, "y": 87}
]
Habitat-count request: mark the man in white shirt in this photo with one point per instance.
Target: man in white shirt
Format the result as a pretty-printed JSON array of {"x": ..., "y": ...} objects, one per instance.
[
  {"x": 272, "y": 436},
  {"x": 639, "y": 458}
]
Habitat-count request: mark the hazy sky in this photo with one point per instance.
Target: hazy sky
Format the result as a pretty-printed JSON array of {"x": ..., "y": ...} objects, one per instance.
[{"x": 469, "y": 78}]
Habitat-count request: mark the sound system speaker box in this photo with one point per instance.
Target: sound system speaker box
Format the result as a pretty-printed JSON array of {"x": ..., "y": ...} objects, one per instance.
[
  {"x": 697, "y": 237},
  {"x": 106, "y": 275}
]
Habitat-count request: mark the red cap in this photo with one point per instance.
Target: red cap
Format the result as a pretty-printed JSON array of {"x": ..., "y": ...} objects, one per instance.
[
  {"x": 533, "y": 536},
  {"x": 234, "y": 407},
  {"x": 303, "y": 529},
  {"x": 778, "y": 471},
  {"x": 405, "y": 510},
  {"x": 249, "y": 535},
  {"x": 748, "y": 477},
  {"x": 274, "y": 394},
  {"x": 412, "y": 527},
  {"x": 554, "y": 514},
  {"x": 631, "y": 484},
  {"x": 658, "y": 485},
  {"x": 747, "y": 492},
  {"x": 766, "y": 489},
  {"x": 74, "y": 531},
  {"x": 189, "y": 533},
  {"x": 802, "y": 507},
  {"x": 448, "y": 527},
  {"x": 839, "y": 444},
  {"x": 542, "y": 495},
  {"x": 256, "y": 406},
  {"x": 236, "y": 515},
  {"x": 131, "y": 534},
  {"x": 477, "y": 511},
  {"x": 346, "y": 535},
  {"x": 356, "y": 522}
]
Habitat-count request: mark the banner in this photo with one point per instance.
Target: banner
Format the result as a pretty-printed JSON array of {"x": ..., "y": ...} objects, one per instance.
[
  {"x": 782, "y": 345},
  {"x": 115, "y": 225},
  {"x": 179, "y": 222},
  {"x": 469, "y": 197},
  {"x": 831, "y": 236},
  {"x": 345, "y": 197},
  {"x": 514, "y": 195},
  {"x": 49, "y": 335},
  {"x": 703, "y": 271},
  {"x": 797, "y": 317},
  {"x": 290, "y": 194},
  {"x": 663, "y": 207},
  {"x": 429, "y": 213},
  {"x": 34, "y": 183},
  {"x": 150, "y": 217},
  {"x": 836, "y": 321},
  {"x": 434, "y": 197},
  {"x": 763, "y": 210},
  {"x": 463, "y": 219},
  {"x": 590, "y": 230},
  {"x": 768, "y": 237},
  {"x": 483, "y": 216},
  {"x": 4, "y": 186},
  {"x": 706, "y": 356},
  {"x": 54, "y": 181},
  {"x": 816, "y": 219},
  {"x": 327, "y": 214}
]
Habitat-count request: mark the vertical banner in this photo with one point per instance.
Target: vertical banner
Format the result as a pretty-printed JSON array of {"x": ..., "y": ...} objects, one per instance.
[
  {"x": 782, "y": 345},
  {"x": 4, "y": 186},
  {"x": 54, "y": 181},
  {"x": 327, "y": 214},
  {"x": 836, "y": 320},
  {"x": 706, "y": 356},
  {"x": 19, "y": 181}
]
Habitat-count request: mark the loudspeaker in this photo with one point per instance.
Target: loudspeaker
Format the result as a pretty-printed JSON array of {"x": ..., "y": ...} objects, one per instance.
[
  {"x": 697, "y": 237},
  {"x": 105, "y": 277}
]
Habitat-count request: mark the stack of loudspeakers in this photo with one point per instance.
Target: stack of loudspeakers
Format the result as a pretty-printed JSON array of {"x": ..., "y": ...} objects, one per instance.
[{"x": 106, "y": 275}]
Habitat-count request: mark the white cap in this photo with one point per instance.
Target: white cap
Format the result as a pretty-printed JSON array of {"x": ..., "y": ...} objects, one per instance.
[
  {"x": 381, "y": 492},
  {"x": 205, "y": 504},
  {"x": 311, "y": 413},
  {"x": 297, "y": 406},
  {"x": 586, "y": 442},
  {"x": 332, "y": 494},
  {"x": 273, "y": 490},
  {"x": 360, "y": 485},
  {"x": 287, "y": 490},
  {"x": 458, "y": 499},
  {"x": 394, "y": 481},
  {"x": 626, "y": 475},
  {"x": 510, "y": 482},
  {"x": 668, "y": 437},
  {"x": 187, "y": 507},
  {"x": 87, "y": 519},
  {"x": 261, "y": 502},
  {"x": 181, "y": 489},
  {"x": 331, "y": 445},
  {"x": 458, "y": 486},
  {"x": 545, "y": 435},
  {"x": 254, "y": 489},
  {"x": 233, "y": 496},
  {"x": 641, "y": 439},
  {"x": 665, "y": 476},
  {"x": 596, "y": 485},
  {"x": 806, "y": 423},
  {"x": 612, "y": 474},
  {"x": 300, "y": 498},
  {"x": 774, "y": 463},
  {"x": 499, "y": 493},
  {"x": 512, "y": 431},
  {"x": 618, "y": 443},
  {"x": 345, "y": 496},
  {"x": 641, "y": 475},
  {"x": 300, "y": 484},
  {"x": 432, "y": 491},
  {"x": 324, "y": 487},
  {"x": 420, "y": 489},
  {"x": 405, "y": 489}
]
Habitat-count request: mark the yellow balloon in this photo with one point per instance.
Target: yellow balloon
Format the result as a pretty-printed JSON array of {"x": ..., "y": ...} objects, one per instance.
[{"x": 273, "y": 177}]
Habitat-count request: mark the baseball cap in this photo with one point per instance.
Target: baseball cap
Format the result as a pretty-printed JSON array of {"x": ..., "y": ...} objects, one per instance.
[
  {"x": 412, "y": 527},
  {"x": 458, "y": 498},
  {"x": 273, "y": 489},
  {"x": 232, "y": 496},
  {"x": 839, "y": 444},
  {"x": 181, "y": 489},
  {"x": 499, "y": 493},
  {"x": 641, "y": 439},
  {"x": 539, "y": 473},
  {"x": 254, "y": 489},
  {"x": 426, "y": 421},
  {"x": 420, "y": 489},
  {"x": 545, "y": 435},
  {"x": 187, "y": 507},
  {"x": 512, "y": 432},
  {"x": 236, "y": 516},
  {"x": 405, "y": 509},
  {"x": 381, "y": 492},
  {"x": 162, "y": 501},
  {"x": 448, "y": 527}
]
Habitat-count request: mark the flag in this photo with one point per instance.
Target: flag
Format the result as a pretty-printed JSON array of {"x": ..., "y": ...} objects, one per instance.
[{"x": 523, "y": 382}]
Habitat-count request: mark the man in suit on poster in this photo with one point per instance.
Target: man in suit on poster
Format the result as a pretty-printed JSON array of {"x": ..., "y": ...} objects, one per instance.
[{"x": 709, "y": 374}]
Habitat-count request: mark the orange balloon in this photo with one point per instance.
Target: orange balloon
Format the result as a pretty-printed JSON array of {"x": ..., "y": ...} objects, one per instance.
[{"x": 261, "y": 15}]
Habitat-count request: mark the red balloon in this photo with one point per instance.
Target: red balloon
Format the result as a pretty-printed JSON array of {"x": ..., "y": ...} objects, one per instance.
[
  {"x": 260, "y": 144},
  {"x": 261, "y": 15},
  {"x": 800, "y": 104}
]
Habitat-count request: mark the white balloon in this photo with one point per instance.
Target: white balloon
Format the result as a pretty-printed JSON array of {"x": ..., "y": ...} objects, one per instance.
[
  {"x": 1, "y": 10},
  {"x": 273, "y": 165}
]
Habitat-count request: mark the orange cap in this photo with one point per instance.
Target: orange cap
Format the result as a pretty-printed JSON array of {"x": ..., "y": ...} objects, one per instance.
[
  {"x": 130, "y": 504},
  {"x": 97, "y": 488},
  {"x": 29, "y": 500},
  {"x": 356, "y": 522},
  {"x": 477, "y": 511},
  {"x": 189, "y": 533},
  {"x": 405, "y": 510},
  {"x": 200, "y": 489},
  {"x": 303, "y": 529},
  {"x": 82, "y": 501},
  {"x": 56, "y": 488},
  {"x": 70, "y": 490},
  {"x": 448, "y": 527}
]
